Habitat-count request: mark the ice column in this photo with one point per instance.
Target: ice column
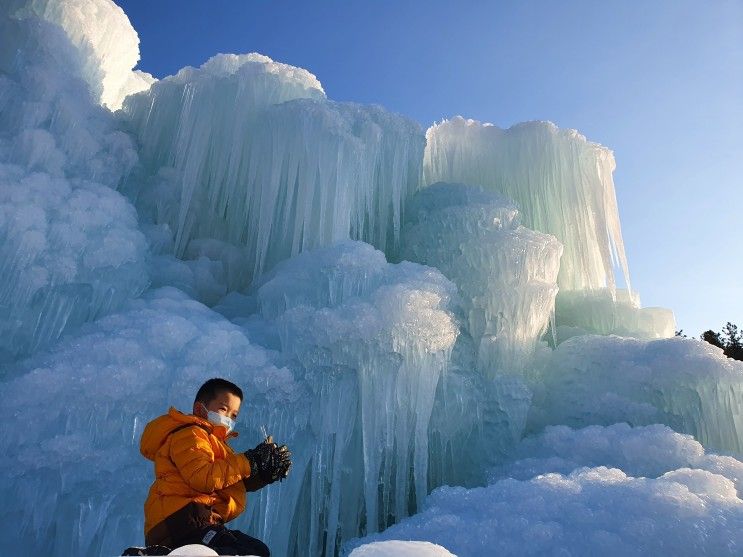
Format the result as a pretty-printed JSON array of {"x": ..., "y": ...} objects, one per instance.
[
  {"x": 561, "y": 183},
  {"x": 505, "y": 272}
]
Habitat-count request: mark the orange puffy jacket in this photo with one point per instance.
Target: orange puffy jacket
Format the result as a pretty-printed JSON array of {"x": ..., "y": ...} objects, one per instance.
[{"x": 193, "y": 465}]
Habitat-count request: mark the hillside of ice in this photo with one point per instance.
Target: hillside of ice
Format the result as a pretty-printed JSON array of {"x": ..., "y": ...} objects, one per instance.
[{"x": 439, "y": 324}]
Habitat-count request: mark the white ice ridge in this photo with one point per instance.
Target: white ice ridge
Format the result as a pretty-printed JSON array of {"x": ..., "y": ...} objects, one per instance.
[
  {"x": 505, "y": 272},
  {"x": 686, "y": 384},
  {"x": 372, "y": 341},
  {"x": 688, "y": 504},
  {"x": 106, "y": 40},
  {"x": 248, "y": 151},
  {"x": 76, "y": 464},
  {"x": 561, "y": 183}
]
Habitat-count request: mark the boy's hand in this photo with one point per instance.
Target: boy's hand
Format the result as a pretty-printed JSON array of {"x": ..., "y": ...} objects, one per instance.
[{"x": 269, "y": 461}]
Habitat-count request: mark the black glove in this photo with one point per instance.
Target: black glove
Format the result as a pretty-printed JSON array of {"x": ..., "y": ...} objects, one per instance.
[{"x": 269, "y": 461}]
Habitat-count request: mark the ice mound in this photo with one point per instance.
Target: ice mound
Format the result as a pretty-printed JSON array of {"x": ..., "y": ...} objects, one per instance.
[
  {"x": 78, "y": 458},
  {"x": 107, "y": 43},
  {"x": 561, "y": 183},
  {"x": 371, "y": 341},
  {"x": 566, "y": 494},
  {"x": 607, "y": 311},
  {"x": 397, "y": 548},
  {"x": 648, "y": 451},
  {"x": 686, "y": 384},
  {"x": 505, "y": 272},
  {"x": 248, "y": 151},
  {"x": 591, "y": 511}
]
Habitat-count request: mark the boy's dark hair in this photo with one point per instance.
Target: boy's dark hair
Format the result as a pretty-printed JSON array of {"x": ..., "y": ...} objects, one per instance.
[{"x": 209, "y": 390}]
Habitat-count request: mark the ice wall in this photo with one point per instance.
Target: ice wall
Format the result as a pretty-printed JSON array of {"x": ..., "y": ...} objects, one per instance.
[
  {"x": 561, "y": 183},
  {"x": 686, "y": 384},
  {"x": 70, "y": 248},
  {"x": 505, "y": 272},
  {"x": 107, "y": 43},
  {"x": 248, "y": 151}
]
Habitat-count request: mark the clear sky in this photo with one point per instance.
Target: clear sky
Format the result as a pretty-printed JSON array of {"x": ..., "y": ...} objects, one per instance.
[{"x": 659, "y": 82}]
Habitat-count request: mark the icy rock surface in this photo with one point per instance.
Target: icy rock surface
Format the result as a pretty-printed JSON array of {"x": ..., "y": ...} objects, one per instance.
[
  {"x": 70, "y": 248},
  {"x": 372, "y": 341},
  {"x": 209, "y": 141},
  {"x": 686, "y": 384},
  {"x": 107, "y": 43},
  {"x": 561, "y": 183},
  {"x": 505, "y": 272},
  {"x": 78, "y": 459},
  {"x": 607, "y": 311}
]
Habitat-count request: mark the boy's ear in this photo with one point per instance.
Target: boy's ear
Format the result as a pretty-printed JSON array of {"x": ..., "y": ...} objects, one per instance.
[{"x": 199, "y": 409}]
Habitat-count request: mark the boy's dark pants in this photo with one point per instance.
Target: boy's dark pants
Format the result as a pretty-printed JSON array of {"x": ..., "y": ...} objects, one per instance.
[
  {"x": 197, "y": 523},
  {"x": 230, "y": 542}
]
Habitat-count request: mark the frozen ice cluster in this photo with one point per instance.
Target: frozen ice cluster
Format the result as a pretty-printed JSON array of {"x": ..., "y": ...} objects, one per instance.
[{"x": 440, "y": 325}]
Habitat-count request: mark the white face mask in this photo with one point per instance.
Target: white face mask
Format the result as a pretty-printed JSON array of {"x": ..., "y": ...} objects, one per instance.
[{"x": 219, "y": 419}]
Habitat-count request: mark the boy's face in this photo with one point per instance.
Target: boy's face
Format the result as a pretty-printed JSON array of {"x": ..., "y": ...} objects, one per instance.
[{"x": 225, "y": 403}]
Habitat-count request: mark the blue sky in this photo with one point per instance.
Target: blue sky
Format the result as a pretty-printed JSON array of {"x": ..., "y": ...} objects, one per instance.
[{"x": 660, "y": 83}]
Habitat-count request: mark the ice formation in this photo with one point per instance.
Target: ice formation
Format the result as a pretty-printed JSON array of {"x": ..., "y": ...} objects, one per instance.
[
  {"x": 561, "y": 183},
  {"x": 249, "y": 152},
  {"x": 107, "y": 42},
  {"x": 506, "y": 273},
  {"x": 239, "y": 185},
  {"x": 606, "y": 311},
  {"x": 563, "y": 186},
  {"x": 70, "y": 247},
  {"x": 592, "y": 509},
  {"x": 683, "y": 383},
  {"x": 374, "y": 336}
]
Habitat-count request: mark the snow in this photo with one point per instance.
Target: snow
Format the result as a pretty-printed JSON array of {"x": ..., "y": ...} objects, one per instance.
[
  {"x": 402, "y": 336},
  {"x": 590, "y": 507},
  {"x": 397, "y": 548}
]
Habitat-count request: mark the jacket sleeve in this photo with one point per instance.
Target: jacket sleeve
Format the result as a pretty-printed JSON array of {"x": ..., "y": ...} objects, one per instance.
[{"x": 192, "y": 454}]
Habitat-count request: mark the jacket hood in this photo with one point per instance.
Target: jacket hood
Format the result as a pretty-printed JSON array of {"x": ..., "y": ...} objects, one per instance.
[{"x": 156, "y": 432}]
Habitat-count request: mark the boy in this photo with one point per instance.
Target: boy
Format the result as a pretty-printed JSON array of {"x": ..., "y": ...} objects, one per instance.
[{"x": 200, "y": 482}]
